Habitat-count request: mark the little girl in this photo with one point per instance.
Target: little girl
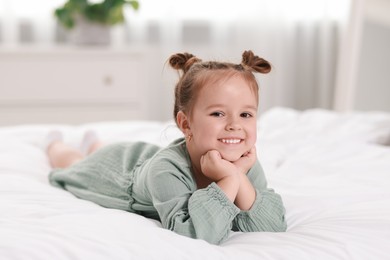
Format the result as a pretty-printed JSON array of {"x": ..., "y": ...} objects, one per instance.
[{"x": 202, "y": 185}]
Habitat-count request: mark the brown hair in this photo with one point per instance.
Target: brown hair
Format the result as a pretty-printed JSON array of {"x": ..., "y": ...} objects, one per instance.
[{"x": 196, "y": 73}]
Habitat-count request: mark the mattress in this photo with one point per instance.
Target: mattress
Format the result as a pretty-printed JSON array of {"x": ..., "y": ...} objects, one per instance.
[{"x": 331, "y": 169}]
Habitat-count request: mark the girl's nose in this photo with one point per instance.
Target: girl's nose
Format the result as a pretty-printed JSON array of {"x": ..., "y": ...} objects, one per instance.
[{"x": 233, "y": 126}]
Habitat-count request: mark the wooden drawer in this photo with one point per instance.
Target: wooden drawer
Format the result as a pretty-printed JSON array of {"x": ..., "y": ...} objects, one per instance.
[
  {"x": 84, "y": 76},
  {"x": 73, "y": 80}
]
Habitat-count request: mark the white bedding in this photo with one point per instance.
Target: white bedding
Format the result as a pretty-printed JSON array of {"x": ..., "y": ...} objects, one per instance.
[{"x": 332, "y": 170}]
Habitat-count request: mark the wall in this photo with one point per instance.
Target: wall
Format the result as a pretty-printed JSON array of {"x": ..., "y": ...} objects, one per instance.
[
  {"x": 373, "y": 76},
  {"x": 300, "y": 39}
]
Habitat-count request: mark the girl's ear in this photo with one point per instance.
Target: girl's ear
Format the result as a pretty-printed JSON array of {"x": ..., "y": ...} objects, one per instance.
[{"x": 183, "y": 123}]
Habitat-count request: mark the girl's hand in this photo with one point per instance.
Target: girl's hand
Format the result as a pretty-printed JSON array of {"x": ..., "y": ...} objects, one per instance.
[
  {"x": 246, "y": 161},
  {"x": 215, "y": 167}
]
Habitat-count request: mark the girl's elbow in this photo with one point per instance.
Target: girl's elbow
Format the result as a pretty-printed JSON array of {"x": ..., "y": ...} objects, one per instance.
[
  {"x": 279, "y": 225},
  {"x": 282, "y": 227}
]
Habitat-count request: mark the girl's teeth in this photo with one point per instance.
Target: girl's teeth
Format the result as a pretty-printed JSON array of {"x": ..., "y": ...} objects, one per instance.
[{"x": 230, "y": 141}]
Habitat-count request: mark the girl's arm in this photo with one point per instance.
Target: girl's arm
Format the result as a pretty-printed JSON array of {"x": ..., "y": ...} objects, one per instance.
[
  {"x": 267, "y": 211},
  {"x": 246, "y": 194},
  {"x": 206, "y": 214},
  {"x": 224, "y": 173},
  {"x": 231, "y": 177}
]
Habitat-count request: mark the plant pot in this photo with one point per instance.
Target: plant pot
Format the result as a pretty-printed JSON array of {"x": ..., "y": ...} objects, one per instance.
[{"x": 89, "y": 33}]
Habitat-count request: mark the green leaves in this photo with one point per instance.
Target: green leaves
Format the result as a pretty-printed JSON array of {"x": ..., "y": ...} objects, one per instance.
[
  {"x": 134, "y": 4},
  {"x": 108, "y": 12},
  {"x": 64, "y": 16}
]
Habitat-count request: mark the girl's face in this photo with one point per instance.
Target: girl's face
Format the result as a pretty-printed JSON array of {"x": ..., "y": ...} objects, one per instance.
[{"x": 224, "y": 118}]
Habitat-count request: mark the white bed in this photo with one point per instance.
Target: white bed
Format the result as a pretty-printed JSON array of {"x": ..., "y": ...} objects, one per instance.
[{"x": 332, "y": 170}]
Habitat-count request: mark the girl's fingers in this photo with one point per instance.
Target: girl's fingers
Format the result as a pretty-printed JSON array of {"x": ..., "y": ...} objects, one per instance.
[
  {"x": 214, "y": 154},
  {"x": 250, "y": 153}
]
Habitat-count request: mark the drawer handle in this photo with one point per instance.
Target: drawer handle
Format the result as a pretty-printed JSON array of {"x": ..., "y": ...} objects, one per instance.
[{"x": 108, "y": 81}]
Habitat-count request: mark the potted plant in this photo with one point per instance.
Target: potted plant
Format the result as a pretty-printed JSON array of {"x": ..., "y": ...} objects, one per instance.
[{"x": 90, "y": 22}]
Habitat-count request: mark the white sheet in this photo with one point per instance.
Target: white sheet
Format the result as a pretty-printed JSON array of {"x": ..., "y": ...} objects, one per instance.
[{"x": 332, "y": 170}]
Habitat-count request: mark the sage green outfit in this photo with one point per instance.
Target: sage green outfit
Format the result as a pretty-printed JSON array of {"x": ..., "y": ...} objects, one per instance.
[{"x": 157, "y": 183}]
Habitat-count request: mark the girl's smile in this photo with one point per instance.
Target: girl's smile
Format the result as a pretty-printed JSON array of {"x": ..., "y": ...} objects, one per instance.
[{"x": 231, "y": 140}]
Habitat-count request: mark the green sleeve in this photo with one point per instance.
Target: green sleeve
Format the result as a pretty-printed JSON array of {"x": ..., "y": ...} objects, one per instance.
[
  {"x": 267, "y": 212},
  {"x": 205, "y": 213}
]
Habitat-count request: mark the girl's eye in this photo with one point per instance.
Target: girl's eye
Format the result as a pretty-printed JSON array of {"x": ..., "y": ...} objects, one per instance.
[
  {"x": 246, "y": 115},
  {"x": 217, "y": 114}
]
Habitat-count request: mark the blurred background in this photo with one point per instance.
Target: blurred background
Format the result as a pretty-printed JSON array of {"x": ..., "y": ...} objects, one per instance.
[{"x": 331, "y": 54}]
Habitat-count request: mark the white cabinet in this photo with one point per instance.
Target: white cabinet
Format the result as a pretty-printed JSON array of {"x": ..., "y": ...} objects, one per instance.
[{"x": 72, "y": 85}]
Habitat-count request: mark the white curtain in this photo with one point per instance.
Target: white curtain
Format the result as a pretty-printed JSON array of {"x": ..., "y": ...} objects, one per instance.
[{"x": 300, "y": 38}]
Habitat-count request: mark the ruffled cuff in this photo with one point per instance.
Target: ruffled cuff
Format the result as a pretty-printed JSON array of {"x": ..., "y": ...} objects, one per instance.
[
  {"x": 212, "y": 213},
  {"x": 266, "y": 214},
  {"x": 216, "y": 193}
]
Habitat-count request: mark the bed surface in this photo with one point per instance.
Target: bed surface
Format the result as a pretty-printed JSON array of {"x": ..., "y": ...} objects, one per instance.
[{"x": 332, "y": 170}]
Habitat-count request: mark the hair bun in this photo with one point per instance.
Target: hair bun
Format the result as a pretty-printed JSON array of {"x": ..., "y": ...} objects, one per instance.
[
  {"x": 182, "y": 61},
  {"x": 255, "y": 63}
]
